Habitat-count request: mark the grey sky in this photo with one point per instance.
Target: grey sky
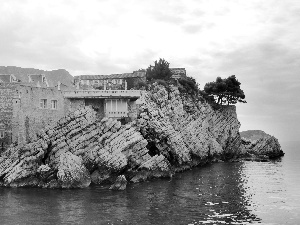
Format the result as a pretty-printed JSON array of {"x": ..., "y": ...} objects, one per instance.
[{"x": 257, "y": 40}]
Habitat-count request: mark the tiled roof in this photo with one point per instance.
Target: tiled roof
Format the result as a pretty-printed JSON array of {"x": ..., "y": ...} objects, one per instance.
[{"x": 112, "y": 76}]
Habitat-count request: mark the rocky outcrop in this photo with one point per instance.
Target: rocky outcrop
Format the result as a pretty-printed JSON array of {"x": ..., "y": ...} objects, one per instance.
[
  {"x": 65, "y": 154},
  {"x": 174, "y": 131},
  {"x": 185, "y": 130},
  {"x": 259, "y": 146}
]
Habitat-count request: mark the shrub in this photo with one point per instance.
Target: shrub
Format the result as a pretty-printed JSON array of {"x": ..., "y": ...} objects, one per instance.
[
  {"x": 160, "y": 70},
  {"x": 189, "y": 85}
]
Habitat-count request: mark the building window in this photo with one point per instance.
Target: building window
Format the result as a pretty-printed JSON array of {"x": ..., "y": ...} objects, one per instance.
[
  {"x": 43, "y": 103},
  {"x": 53, "y": 104},
  {"x": 2, "y": 133}
]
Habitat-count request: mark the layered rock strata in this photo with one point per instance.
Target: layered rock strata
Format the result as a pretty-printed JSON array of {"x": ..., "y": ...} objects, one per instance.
[
  {"x": 174, "y": 131},
  {"x": 185, "y": 130},
  {"x": 79, "y": 150}
]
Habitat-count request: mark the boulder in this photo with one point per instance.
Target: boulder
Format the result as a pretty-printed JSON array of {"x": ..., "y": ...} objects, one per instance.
[{"x": 71, "y": 172}]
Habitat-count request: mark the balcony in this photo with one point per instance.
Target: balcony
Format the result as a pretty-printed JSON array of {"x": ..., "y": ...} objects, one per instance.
[
  {"x": 105, "y": 94},
  {"x": 116, "y": 114}
]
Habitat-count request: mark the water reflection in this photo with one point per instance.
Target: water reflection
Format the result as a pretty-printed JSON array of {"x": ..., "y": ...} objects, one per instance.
[
  {"x": 223, "y": 193},
  {"x": 212, "y": 194},
  {"x": 272, "y": 188}
]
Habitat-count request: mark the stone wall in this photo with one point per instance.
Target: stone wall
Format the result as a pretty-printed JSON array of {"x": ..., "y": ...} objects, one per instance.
[
  {"x": 7, "y": 101},
  {"x": 72, "y": 104},
  {"x": 29, "y": 117}
]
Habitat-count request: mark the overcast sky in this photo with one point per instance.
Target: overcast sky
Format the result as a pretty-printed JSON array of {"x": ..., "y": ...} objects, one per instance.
[{"x": 256, "y": 40}]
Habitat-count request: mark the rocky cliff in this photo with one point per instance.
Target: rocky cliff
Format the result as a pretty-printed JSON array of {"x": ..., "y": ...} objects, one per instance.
[{"x": 174, "y": 131}]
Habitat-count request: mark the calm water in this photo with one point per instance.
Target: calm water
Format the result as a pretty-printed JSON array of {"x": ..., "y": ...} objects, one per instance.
[{"x": 223, "y": 193}]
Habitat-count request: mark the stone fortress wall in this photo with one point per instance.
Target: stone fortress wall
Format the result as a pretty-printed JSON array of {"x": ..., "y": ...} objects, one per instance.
[{"x": 23, "y": 114}]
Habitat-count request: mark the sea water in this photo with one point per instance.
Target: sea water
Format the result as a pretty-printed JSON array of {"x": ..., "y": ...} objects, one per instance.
[{"x": 221, "y": 193}]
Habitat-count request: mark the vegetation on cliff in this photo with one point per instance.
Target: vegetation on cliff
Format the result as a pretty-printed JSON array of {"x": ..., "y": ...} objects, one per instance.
[
  {"x": 160, "y": 70},
  {"x": 225, "y": 90},
  {"x": 220, "y": 92}
]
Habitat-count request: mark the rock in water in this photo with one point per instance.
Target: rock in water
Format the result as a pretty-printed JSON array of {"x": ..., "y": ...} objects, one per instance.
[
  {"x": 120, "y": 183},
  {"x": 71, "y": 172},
  {"x": 257, "y": 143}
]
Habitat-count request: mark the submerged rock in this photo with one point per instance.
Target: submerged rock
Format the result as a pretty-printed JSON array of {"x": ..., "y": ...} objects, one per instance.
[{"x": 120, "y": 183}]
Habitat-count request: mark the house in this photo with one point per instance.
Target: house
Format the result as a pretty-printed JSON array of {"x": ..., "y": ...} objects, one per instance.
[
  {"x": 178, "y": 73},
  {"x": 122, "y": 81}
]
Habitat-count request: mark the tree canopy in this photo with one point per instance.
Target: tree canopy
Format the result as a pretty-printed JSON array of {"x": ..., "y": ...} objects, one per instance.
[
  {"x": 160, "y": 70},
  {"x": 225, "y": 90}
]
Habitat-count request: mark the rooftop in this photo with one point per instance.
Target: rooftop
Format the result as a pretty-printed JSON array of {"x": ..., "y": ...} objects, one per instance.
[{"x": 112, "y": 76}]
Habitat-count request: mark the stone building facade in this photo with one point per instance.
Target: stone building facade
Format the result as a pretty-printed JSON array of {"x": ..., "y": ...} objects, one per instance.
[{"x": 26, "y": 109}]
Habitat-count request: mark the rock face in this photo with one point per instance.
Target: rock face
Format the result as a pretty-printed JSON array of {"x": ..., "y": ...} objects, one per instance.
[
  {"x": 173, "y": 132},
  {"x": 260, "y": 146},
  {"x": 185, "y": 130}
]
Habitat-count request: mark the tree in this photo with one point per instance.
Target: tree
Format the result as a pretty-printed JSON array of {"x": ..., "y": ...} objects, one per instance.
[
  {"x": 160, "y": 70},
  {"x": 225, "y": 90}
]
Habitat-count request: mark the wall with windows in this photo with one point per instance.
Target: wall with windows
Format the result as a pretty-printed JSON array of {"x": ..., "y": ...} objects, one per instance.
[{"x": 33, "y": 110}]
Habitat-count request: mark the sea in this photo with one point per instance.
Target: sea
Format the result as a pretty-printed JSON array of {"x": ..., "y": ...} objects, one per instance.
[{"x": 219, "y": 193}]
